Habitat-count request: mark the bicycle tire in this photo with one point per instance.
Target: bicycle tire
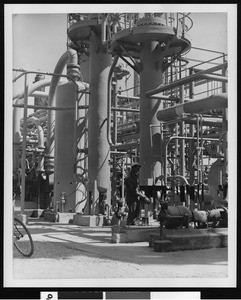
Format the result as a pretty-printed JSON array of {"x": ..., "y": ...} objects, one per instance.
[{"x": 22, "y": 238}]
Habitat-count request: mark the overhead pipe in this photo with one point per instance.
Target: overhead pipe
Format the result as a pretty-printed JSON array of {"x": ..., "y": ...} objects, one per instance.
[
  {"x": 39, "y": 94},
  {"x": 161, "y": 97},
  {"x": 51, "y": 108},
  {"x": 206, "y": 122},
  {"x": 34, "y": 87},
  {"x": 125, "y": 109},
  {"x": 195, "y": 106},
  {"x": 194, "y": 77}
]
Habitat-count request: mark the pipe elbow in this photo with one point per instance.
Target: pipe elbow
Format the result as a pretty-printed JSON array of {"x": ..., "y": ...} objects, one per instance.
[{"x": 72, "y": 56}]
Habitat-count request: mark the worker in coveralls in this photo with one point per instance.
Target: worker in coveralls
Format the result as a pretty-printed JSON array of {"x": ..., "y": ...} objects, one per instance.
[{"x": 134, "y": 196}]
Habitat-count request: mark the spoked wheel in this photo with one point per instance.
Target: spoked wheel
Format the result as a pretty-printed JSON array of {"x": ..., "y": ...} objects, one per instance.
[{"x": 22, "y": 239}]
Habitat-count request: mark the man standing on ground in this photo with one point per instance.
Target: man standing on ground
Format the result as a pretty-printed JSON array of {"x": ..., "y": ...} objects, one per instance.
[{"x": 133, "y": 194}]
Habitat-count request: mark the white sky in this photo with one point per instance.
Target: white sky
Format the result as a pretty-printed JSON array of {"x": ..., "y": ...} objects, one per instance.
[
  {"x": 40, "y": 39},
  {"x": 40, "y": 34}
]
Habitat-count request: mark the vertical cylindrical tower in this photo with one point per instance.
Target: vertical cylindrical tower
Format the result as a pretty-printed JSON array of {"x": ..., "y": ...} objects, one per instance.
[
  {"x": 64, "y": 146},
  {"x": 150, "y": 77},
  {"x": 98, "y": 147}
]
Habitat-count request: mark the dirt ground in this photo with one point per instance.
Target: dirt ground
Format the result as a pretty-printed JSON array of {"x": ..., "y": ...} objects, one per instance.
[{"x": 66, "y": 251}]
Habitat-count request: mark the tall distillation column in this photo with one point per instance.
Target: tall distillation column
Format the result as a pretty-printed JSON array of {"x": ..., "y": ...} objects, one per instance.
[
  {"x": 89, "y": 35},
  {"x": 150, "y": 77},
  {"x": 156, "y": 45},
  {"x": 98, "y": 148}
]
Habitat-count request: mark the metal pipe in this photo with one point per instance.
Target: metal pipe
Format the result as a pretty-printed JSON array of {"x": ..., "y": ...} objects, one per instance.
[
  {"x": 213, "y": 69},
  {"x": 39, "y": 94},
  {"x": 125, "y": 109},
  {"x": 103, "y": 29},
  {"x": 40, "y": 141},
  {"x": 71, "y": 57},
  {"x": 129, "y": 97},
  {"x": 23, "y": 163},
  {"x": 166, "y": 149},
  {"x": 181, "y": 177},
  {"x": 198, "y": 148},
  {"x": 161, "y": 97},
  {"x": 167, "y": 98},
  {"x": 206, "y": 122},
  {"x": 34, "y": 87},
  {"x": 191, "y": 133},
  {"x": 182, "y": 151},
  {"x": 201, "y": 148},
  {"x": 109, "y": 100},
  {"x": 45, "y": 107},
  {"x": 196, "y": 106},
  {"x": 51, "y": 108},
  {"x": 194, "y": 77}
]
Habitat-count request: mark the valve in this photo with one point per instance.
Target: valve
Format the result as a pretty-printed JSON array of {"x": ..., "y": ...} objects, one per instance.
[{"x": 62, "y": 200}]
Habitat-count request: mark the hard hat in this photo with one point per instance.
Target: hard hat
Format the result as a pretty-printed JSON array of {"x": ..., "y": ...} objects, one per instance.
[{"x": 136, "y": 165}]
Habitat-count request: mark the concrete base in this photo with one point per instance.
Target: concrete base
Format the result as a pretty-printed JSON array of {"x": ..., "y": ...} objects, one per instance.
[
  {"x": 35, "y": 213},
  {"x": 189, "y": 239},
  {"x": 88, "y": 220},
  {"x": 22, "y": 217},
  {"x": 132, "y": 234},
  {"x": 163, "y": 246},
  {"x": 65, "y": 218}
]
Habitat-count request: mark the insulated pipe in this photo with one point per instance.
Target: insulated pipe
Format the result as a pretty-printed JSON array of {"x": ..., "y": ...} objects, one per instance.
[
  {"x": 195, "y": 106},
  {"x": 34, "y": 87},
  {"x": 185, "y": 80},
  {"x": 39, "y": 94},
  {"x": 71, "y": 57}
]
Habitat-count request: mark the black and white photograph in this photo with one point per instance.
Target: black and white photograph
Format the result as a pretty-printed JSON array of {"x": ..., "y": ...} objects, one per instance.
[{"x": 120, "y": 146}]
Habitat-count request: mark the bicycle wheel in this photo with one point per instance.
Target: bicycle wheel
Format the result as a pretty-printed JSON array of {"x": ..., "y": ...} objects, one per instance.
[{"x": 22, "y": 239}]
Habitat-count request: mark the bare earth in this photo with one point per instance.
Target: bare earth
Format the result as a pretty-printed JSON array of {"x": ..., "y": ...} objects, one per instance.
[{"x": 70, "y": 251}]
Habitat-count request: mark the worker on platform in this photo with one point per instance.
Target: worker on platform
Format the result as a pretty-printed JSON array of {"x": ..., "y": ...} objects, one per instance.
[{"x": 134, "y": 196}]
